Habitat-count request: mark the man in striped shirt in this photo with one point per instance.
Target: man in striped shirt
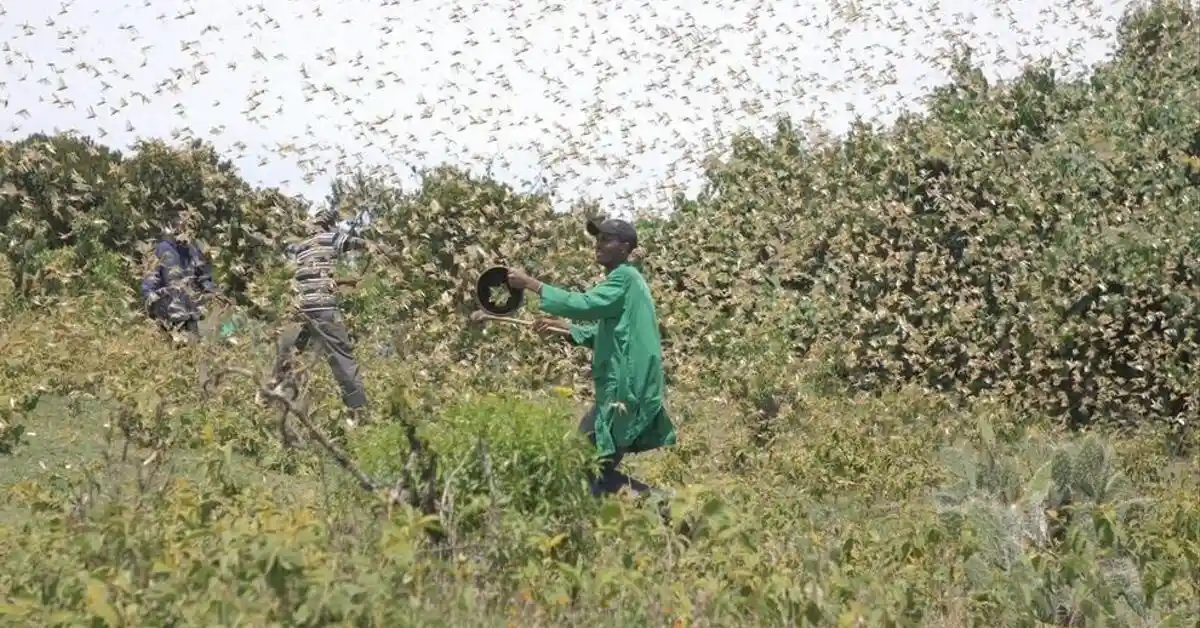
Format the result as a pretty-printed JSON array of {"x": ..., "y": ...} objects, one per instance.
[{"x": 319, "y": 316}]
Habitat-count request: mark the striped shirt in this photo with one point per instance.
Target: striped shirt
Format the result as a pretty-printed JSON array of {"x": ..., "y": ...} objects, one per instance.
[{"x": 315, "y": 259}]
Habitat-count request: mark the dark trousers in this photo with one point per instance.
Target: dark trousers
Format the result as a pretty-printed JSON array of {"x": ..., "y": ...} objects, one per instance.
[
  {"x": 329, "y": 330},
  {"x": 609, "y": 480}
]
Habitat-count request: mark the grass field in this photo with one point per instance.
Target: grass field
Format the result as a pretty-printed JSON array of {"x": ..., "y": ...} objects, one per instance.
[{"x": 842, "y": 510}]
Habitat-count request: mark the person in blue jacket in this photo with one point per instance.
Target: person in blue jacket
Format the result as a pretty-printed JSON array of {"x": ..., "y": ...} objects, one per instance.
[{"x": 171, "y": 292}]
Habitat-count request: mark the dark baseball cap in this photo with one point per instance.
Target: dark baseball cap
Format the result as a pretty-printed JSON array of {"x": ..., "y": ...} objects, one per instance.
[{"x": 620, "y": 229}]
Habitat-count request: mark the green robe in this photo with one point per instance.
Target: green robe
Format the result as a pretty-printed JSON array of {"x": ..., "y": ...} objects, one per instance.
[{"x": 627, "y": 366}]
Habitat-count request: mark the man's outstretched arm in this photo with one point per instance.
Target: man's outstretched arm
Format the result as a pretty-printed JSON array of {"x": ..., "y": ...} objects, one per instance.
[{"x": 603, "y": 300}]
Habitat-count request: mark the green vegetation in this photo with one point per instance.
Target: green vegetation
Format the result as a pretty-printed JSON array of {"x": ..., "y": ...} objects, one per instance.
[{"x": 935, "y": 374}]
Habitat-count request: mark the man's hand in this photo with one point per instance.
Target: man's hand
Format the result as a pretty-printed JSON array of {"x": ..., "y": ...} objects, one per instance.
[
  {"x": 518, "y": 279},
  {"x": 546, "y": 325}
]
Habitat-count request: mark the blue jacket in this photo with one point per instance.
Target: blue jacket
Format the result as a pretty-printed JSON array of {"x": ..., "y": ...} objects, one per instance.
[{"x": 182, "y": 271}]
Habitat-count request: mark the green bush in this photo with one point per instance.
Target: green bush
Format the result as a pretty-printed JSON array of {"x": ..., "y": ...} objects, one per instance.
[{"x": 525, "y": 448}]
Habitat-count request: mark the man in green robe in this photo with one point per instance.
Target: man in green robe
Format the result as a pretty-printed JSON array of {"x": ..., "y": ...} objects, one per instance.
[{"x": 618, "y": 322}]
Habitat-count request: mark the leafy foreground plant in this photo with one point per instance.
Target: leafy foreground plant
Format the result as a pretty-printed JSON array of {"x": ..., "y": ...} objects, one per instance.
[
  {"x": 172, "y": 537},
  {"x": 1031, "y": 518}
]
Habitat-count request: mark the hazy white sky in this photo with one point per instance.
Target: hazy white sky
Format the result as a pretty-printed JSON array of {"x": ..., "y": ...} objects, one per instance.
[{"x": 607, "y": 99}]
